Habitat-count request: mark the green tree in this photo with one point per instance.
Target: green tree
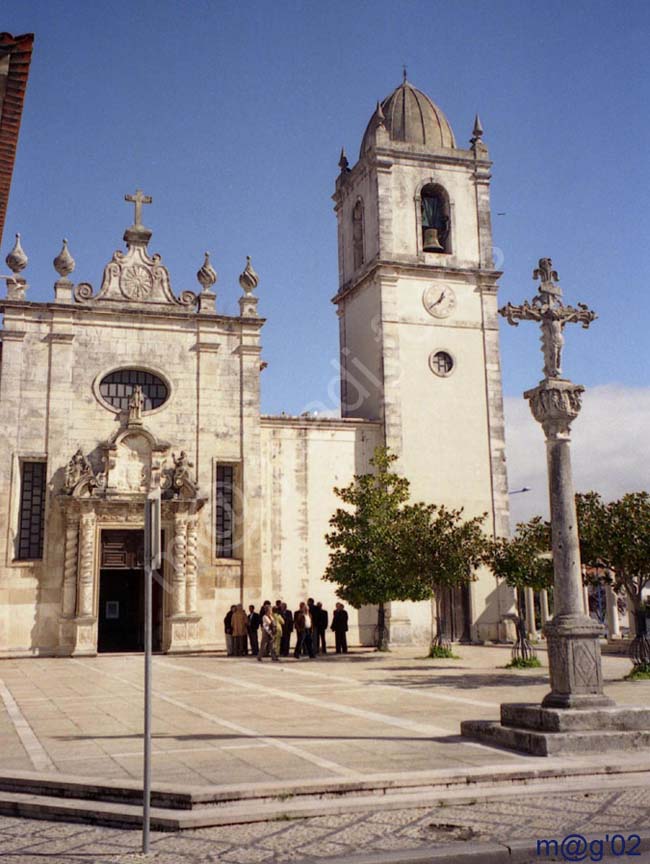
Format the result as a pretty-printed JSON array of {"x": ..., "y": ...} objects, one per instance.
[
  {"x": 524, "y": 560},
  {"x": 384, "y": 548},
  {"x": 616, "y": 536},
  {"x": 369, "y": 560},
  {"x": 443, "y": 550}
]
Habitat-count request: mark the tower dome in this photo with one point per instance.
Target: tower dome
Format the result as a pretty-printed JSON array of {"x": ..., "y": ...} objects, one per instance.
[{"x": 409, "y": 116}]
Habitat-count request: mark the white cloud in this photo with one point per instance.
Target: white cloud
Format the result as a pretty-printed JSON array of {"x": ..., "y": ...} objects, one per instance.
[{"x": 610, "y": 450}]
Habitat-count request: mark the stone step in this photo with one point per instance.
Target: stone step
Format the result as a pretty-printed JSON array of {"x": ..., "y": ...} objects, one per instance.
[
  {"x": 125, "y": 815},
  {"x": 541, "y": 743}
]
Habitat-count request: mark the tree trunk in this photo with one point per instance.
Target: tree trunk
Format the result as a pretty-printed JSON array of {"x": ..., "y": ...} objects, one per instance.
[{"x": 381, "y": 627}]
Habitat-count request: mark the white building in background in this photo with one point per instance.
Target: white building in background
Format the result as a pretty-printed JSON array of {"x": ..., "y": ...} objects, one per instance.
[{"x": 107, "y": 393}]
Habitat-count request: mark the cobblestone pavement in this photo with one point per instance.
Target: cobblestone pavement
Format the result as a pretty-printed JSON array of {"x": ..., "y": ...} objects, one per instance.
[{"x": 596, "y": 814}]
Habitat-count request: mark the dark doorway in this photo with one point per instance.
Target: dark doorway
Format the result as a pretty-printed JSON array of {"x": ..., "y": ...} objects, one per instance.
[
  {"x": 455, "y": 613},
  {"x": 121, "y": 594}
]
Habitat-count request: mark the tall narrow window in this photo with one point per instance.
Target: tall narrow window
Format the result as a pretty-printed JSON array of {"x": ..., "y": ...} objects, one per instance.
[
  {"x": 225, "y": 511},
  {"x": 32, "y": 510},
  {"x": 435, "y": 219},
  {"x": 357, "y": 235}
]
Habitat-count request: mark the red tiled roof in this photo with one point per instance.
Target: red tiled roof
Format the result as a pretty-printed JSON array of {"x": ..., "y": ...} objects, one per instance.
[{"x": 19, "y": 50}]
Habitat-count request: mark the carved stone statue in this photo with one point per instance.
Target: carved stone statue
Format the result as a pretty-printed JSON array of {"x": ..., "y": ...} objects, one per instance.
[
  {"x": 136, "y": 404},
  {"x": 78, "y": 469},
  {"x": 182, "y": 467}
]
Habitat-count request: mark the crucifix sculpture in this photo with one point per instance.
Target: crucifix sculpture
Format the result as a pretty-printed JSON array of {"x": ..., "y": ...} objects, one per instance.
[
  {"x": 547, "y": 308},
  {"x": 138, "y": 199},
  {"x": 573, "y": 648}
]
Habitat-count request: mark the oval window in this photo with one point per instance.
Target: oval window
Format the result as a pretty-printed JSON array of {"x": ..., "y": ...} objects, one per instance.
[{"x": 117, "y": 387}]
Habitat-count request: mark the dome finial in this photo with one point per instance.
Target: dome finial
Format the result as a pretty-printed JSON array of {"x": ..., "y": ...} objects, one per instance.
[
  {"x": 344, "y": 165},
  {"x": 404, "y": 73}
]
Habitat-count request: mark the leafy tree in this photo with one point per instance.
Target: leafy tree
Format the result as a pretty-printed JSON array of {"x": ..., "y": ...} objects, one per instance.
[
  {"x": 523, "y": 561},
  {"x": 384, "y": 548},
  {"x": 616, "y": 536},
  {"x": 368, "y": 559},
  {"x": 443, "y": 549}
]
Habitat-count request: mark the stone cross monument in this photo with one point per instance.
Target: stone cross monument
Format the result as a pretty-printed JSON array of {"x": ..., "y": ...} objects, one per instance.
[
  {"x": 572, "y": 636},
  {"x": 575, "y": 716}
]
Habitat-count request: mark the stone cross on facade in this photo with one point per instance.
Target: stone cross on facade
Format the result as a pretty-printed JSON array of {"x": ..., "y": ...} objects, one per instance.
[
  {"x": 547, "y": 308},
  {"x": 574, "y": 652},
  {"x": 138, "y": 199}
]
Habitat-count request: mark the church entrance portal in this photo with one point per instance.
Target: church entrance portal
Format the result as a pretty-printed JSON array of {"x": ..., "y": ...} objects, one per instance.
[
  {"x": 455, "y": 613},
  {"x": 121, "y": 594}
]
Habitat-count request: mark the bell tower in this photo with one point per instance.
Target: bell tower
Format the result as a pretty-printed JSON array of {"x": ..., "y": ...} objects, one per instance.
[{"x": 417, "y": 308}]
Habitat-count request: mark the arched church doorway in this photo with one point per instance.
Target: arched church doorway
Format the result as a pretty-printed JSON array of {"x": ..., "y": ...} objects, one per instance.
[{"x": 121, "y": 594}]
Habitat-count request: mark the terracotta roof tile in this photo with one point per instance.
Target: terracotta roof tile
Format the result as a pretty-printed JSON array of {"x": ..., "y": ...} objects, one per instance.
[{"x": 19, "y": 49}]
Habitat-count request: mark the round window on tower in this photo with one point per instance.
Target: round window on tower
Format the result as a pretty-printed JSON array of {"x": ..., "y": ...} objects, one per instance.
[
  {"x": 115, "y": 389},
  {"x": 441, "y": 363}
]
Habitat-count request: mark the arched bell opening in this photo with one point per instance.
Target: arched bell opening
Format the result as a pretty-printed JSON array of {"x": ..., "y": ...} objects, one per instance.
[{"x": 435, "y": 219}]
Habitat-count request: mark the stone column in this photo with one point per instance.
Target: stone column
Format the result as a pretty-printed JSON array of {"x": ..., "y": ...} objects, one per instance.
[
  {"x": 543, "y": 603},
  {"x": 85, "y": 593},
  {"x": 531, "y": 624},
  {"x": 613, "y": 623},
  {"x": 191, "y": 566},
  {"x": 69, "y": 593},
  {"x": 178, "y": 598},
  {"x": 573, "y": 648}
]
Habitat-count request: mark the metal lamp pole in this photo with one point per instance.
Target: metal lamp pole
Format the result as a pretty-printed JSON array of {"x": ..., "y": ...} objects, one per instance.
[{"x": 152, "y": 555}]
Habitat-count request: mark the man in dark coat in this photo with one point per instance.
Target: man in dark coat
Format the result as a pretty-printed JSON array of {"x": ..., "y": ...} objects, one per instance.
[
  {"x": 323, "y": 621},
  {"x": 313, "y": 613},
  {"x": 253, "y": 626},
  {"x": 340, "y": 628},
  {"x": 287, "y": 630},
  {"x": 227, "y": 626}
]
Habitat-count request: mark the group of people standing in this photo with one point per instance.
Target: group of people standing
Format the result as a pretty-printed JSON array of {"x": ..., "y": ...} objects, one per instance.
[{"x": 277, "y": 623}]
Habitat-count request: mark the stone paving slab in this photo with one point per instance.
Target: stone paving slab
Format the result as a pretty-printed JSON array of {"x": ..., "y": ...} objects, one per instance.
[{"x": 224, "y": 720}]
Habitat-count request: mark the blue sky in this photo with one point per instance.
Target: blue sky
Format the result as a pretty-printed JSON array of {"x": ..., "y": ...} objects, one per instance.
[{"x": 232, "y": 117}]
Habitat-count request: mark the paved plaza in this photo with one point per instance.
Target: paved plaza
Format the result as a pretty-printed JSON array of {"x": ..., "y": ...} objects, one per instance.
[{"x": 220, "y": 720}]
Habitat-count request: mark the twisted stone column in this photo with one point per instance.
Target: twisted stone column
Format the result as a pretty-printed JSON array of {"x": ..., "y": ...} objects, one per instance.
[
  {"x": 179, "y": 560},
  {"x": 69, "y": 593},
  {"x": 85, "y": 598},
  {"x": 191, "y": 565}
]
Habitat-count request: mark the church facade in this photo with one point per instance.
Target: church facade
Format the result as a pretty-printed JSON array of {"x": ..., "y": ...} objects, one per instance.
[{"x": 108, "y": 393}]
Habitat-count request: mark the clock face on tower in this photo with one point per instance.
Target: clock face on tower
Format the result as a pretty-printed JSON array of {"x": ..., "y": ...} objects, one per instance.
[{"x": 439, "y": 300}]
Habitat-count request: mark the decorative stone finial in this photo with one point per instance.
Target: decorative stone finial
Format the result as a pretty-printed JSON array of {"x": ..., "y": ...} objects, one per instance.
[
  {"x": 249, "y": 280},
  {"x": 344, "y": 165},
  {"x": 477, "y": 131},
  {"x": 207, "y": 275},
  {"x": 380, "y": 114},
  {"x": 16, "y": 259},
  {"x": 64, "y": 263},
  {"x": 404, "y": 74}
]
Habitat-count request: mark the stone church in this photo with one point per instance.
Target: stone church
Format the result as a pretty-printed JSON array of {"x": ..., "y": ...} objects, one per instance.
[{"x": 107, "y": 392}]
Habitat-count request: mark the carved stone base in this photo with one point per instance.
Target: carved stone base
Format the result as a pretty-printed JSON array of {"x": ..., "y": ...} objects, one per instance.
[
  {"x": 67, "y": 632},
  {"x": 84, "y": 637},
  {"x": 182, "y": 633},
  {"x": 574, "y": 663},
  {"x": 551, "y": 731}
]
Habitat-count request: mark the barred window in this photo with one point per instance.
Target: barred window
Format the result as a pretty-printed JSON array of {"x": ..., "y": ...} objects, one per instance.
[
  {"x": 32, "y": 510},
  {"x": 225, "y": 512},
  {"x": 117, "y": 388},
  {"x": 441, "y": 363}
]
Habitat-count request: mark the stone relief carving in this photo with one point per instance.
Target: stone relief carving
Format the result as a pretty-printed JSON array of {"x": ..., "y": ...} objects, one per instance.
[{"x": 80, "y": 479}]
